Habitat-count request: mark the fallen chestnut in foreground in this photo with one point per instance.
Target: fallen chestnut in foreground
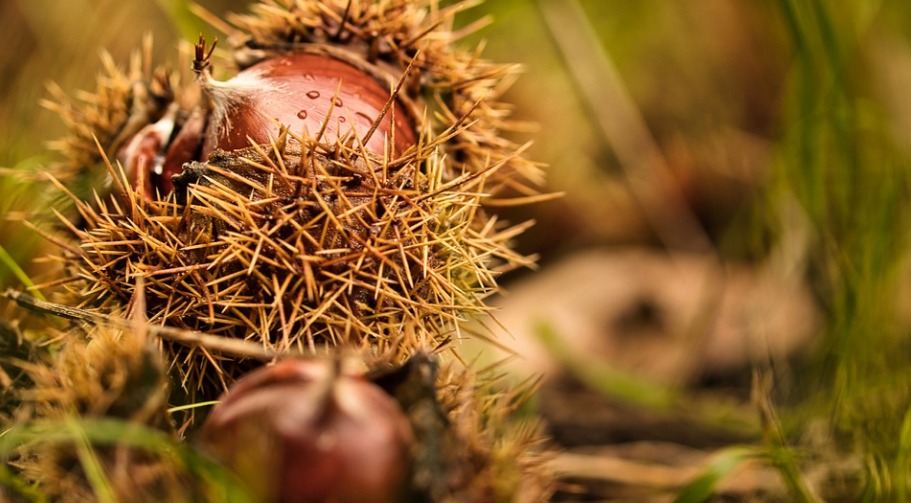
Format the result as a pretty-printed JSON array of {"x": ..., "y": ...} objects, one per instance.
[{"x": 306, "y": 431}]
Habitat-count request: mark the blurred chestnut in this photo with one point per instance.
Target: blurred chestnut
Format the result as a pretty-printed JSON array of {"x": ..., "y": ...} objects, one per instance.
[{"x": 302, "y": 431}]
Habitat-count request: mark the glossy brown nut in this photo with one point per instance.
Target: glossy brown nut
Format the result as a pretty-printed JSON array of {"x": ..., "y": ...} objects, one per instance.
[
  {"x": 300, "y": 91},
  {"x": 142, "y": 158},
  {"x": 151, "y": 157},
  {"x": 296, "y": 432},
  {"x": 309, "y": 93},
  {"x": 184, "y": 148}
]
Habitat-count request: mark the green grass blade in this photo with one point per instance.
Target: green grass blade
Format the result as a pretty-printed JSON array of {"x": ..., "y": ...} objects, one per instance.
[
  {"x": 22, "y": 489},
  {"x": 599, "y": 376},
  {"x": 719, "y": 467},
  {"x": 10, "y": 263},
  {"x": 603, "y": 377},
  {"x": 92, "y": 468},
  {"x": 903, "y": 460},
  {"x": 220, "y": 483}
]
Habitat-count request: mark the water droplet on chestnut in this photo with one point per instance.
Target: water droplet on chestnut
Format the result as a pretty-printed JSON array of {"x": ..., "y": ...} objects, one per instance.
[
  {"x": 313, "y": 94},
  {"x": 302, "y": 114}
]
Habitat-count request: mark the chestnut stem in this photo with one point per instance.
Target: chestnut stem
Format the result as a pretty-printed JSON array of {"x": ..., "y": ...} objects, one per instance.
[{"x": 202, "y": 61}]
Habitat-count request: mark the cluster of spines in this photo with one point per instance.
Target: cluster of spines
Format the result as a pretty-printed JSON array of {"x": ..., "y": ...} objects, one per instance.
[
  {"x": 292, "y": 256},
  {"x": 124, "y": 100}
]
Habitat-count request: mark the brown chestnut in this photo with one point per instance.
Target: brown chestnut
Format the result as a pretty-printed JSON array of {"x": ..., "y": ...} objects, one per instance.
[
  {"x": 302, "y": 431},
  {"x": 310, "y": 94},
  {"x": 302, "y": 92},
  {"x": 143, "y": 157}
]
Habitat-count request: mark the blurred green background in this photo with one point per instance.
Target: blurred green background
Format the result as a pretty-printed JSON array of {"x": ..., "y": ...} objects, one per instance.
[{"x": 752, "y": 135}]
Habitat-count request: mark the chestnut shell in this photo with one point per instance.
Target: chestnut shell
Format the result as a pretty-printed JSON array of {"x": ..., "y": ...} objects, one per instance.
[
  {"x": 308, "y": 93},
  {"x": 297, "y": 432}
]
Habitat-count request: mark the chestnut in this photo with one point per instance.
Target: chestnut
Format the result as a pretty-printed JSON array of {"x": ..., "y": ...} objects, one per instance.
[
  {"x": 314, "y": 95},
  {"x": 302, "y": 91},
  {"x": 143, "y": 157},
  {"x": 304, "y": 431}
]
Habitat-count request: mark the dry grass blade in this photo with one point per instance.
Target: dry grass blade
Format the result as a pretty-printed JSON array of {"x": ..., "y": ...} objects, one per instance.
[
  {"x": 230, "y": 347},
  {"x": 622, "y": 124}
]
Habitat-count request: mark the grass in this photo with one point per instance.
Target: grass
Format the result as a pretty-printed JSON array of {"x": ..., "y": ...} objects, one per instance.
[
  {"x": 89, "y": 435},
  {"x": 852, "y": 181},
  {"x": 722, "y": 464}
]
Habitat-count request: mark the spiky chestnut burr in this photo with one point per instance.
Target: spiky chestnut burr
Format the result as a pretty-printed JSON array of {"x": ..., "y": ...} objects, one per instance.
[
  {"x": 387, "y": 35},
  {"x": 467, "y": 448},
  {"x": 311, "y": 431},
  {"x": 344, "y": 235},
  {"x": 124, "y": 102},
  {"x": 310, "y": 241}
]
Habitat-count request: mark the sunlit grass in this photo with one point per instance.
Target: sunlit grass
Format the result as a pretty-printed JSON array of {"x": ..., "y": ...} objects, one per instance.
[{"x": 852, "y": 182}]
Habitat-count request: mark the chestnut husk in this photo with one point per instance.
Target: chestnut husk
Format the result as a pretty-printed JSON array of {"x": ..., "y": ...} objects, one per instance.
[{"x": 413, "y": 272}]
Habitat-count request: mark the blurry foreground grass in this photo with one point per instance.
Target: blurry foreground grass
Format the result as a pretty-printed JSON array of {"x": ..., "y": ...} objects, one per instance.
[{"x": 755, "y": 133}]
